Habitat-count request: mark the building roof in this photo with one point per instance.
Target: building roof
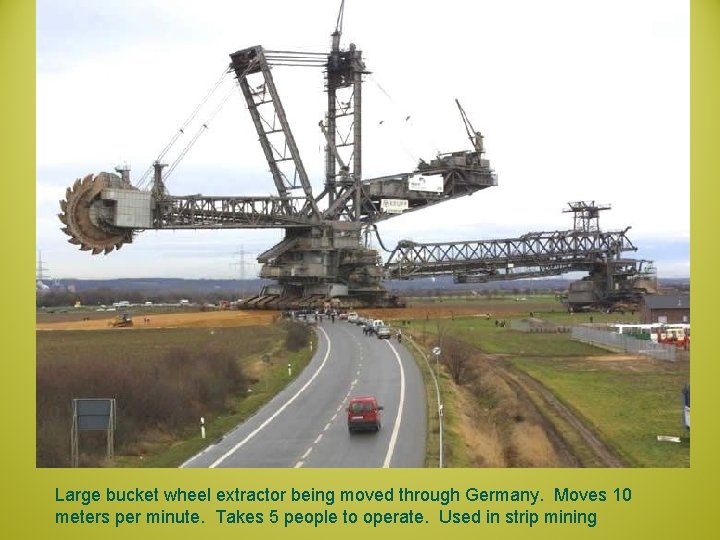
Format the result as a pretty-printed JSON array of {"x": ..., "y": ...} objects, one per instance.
[{"x": 667, "y": 301}]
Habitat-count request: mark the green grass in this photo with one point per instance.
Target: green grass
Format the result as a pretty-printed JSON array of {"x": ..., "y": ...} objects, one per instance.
[
  {"x": 484, "y": 335},
  {"x": 454, "y": 454},
  {"x": 629, "y": 403},
  {"x": 629, "y": 407},
  {"x": 432, "y": 441},
  {"x": 487, "y": 301},
  {"x": 130, "y": 345},
  {"x": 565, "y": 318},
  {"x": 454, "y": 449}
]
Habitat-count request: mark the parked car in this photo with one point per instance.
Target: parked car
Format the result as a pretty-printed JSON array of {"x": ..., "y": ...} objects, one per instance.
[
  {"x": 375, "y": 324},
  {"x": 364, "y": 413},
  {"x": 383, "y": 332}
]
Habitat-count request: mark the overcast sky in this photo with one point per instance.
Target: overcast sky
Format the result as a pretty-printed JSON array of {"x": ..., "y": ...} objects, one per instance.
[{"x": 577, "y": 100}]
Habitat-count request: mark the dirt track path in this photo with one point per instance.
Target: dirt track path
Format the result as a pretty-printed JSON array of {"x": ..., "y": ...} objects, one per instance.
[{"x": 535, "y": 391}]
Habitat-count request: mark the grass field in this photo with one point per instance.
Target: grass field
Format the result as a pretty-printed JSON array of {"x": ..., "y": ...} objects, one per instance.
[
  {"x": 483, "y": 334},
  {"x": 115, "y": 345},
  {"x": 629, "y": 401}
]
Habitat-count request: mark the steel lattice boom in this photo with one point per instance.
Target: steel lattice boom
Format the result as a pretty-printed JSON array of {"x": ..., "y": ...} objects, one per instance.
[
  {"x": 559, "y": 249},
  {"x": 612, "y": 278},
  {"x": 322, "y": 254}
]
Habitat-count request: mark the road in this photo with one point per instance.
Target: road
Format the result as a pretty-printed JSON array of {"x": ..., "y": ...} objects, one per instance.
[{"x": 305, "y": 425}]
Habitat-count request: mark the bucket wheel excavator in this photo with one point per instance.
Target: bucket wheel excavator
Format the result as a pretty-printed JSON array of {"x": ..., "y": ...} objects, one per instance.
[
  {"x": 324, "y": 253},
  {"x": 86, "y": 218}
]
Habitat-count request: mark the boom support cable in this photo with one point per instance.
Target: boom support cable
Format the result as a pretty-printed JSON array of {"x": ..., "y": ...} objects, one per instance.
[
  {"x": 200, "y": 131},
  {"x": 405, "y": 117},
  {"x": 144, "y": 180}
]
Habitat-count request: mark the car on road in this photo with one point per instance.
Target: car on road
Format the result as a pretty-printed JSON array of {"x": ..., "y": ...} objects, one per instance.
[
  {"x": 377, "y": 323},
  {"x": 364, "y": 413},
  {"x": 352, "y": 317},
  {"x": 383, "y": 332}
]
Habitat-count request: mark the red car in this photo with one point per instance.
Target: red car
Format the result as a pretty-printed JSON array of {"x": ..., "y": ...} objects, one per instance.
[{"x": 364, "y": 413}]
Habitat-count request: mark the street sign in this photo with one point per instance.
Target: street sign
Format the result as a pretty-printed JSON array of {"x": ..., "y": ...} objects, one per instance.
[{"x": 436, "y": 351}]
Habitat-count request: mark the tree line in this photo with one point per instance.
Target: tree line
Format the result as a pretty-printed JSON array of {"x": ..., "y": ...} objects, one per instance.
[{"x": 107, "y": 296}]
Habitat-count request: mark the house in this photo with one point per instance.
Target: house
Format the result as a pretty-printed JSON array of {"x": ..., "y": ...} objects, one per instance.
[{"x": 665, "y": 308}]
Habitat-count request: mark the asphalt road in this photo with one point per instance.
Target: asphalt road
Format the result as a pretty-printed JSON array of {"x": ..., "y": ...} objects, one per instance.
[{"x": 305, "y": 425}]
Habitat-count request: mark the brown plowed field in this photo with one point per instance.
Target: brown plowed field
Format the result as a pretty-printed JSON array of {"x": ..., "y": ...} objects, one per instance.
[
  {"x": 169, "y": 320},
  {"x": 100, "y": 321},
  {"x": 434, "y": 311}
]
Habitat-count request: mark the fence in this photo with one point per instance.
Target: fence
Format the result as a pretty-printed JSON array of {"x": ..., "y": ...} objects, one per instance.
[
  {"x": 625, "y": 343},
  {"x": 527, "y": 326}
]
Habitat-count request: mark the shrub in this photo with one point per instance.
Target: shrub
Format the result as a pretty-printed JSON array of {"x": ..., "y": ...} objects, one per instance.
[
  {"x": 170, "y": 392},
  {"x": 298, "y": 336}
]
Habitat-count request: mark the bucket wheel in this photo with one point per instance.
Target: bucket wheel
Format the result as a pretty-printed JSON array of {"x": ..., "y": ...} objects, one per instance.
[{"x": 87, "y": 218}]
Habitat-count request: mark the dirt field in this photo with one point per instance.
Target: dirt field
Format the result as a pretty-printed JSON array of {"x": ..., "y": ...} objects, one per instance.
[
  {"x": 100, "y": 321},
  {"x": 166, "y": 320},
  {"x": 439, "y": 311}
]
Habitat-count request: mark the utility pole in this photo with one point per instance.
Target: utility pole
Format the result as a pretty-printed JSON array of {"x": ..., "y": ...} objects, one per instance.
[
  {"x": 241, "y": 266},
  {"x": 41, "y": 268},
  {"x": 242, "y": 263}
]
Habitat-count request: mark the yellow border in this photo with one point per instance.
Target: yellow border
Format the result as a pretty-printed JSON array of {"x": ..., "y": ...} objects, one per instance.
[
  {"x": 705, "y": 173},
  {"x": 666, "y": 503}
]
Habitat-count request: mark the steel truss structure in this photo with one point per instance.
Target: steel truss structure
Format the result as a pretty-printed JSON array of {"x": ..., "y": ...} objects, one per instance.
[
  {"x": 585, "y": 248},
  {"x": 322, "y": 254}
]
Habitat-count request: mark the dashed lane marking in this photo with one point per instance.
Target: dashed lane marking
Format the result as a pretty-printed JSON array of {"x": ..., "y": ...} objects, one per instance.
[{"x": 279, "y": 411}]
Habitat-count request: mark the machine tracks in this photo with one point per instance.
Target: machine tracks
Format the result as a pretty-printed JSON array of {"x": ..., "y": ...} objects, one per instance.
[{"x": 571, "y": 436}]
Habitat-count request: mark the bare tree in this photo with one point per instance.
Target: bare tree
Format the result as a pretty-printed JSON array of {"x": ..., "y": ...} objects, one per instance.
[{"x": 456, "y": 357}]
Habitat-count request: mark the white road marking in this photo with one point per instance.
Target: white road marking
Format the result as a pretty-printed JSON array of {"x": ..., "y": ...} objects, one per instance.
[
  {"x": 279, "y": 411},
  {"x": 396, "y": 427},
  {"x": 327, "y": 426}
]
